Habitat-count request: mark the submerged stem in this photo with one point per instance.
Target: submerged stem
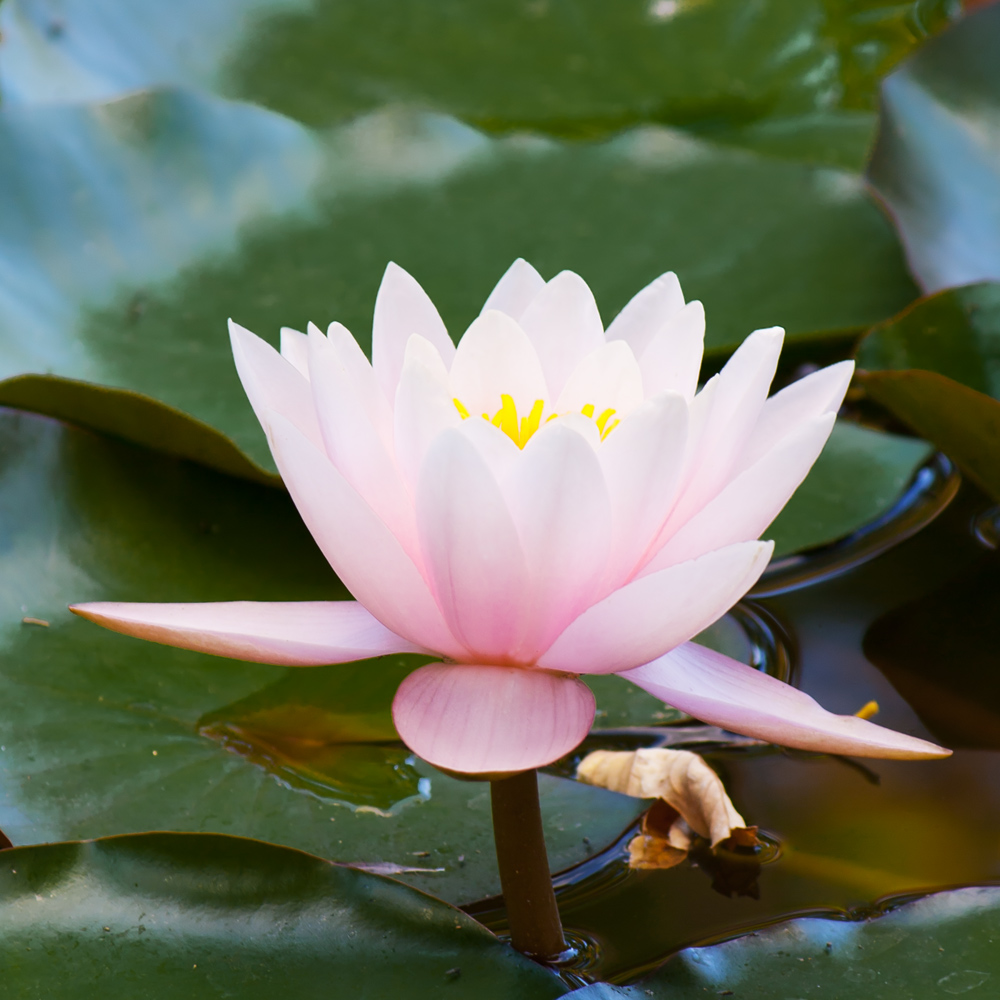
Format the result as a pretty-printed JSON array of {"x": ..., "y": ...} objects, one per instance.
[{"x": 535, "y": 926}]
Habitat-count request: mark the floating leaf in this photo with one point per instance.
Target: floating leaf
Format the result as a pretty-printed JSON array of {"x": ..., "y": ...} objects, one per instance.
[
  {"x": 201, "y": 916},
  {"x": 935, "y": 367},
  {"x": 937, "y": 158},
  {"x": 795, "y": 77},
  {"x": 944, "y": 944},
  {"x": 129, "y": 231}
]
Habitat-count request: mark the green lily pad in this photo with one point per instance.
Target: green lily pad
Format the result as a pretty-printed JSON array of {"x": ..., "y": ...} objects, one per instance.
[
  {"x": 201, "y": 916},
  {"x": 791, "y": 77},
  {"x": 936, "y": 367},
  {"x": 859, "y": 475},
  {"x": 104, "y": 734},
  {"x": 130, "y": 231},
  {"x": 940, "y": 945},
  {"x": 937, "y": 159}
]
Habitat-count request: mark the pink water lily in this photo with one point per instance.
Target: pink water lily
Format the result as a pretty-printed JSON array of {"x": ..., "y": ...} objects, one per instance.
[{"x": 545, "y": 500}]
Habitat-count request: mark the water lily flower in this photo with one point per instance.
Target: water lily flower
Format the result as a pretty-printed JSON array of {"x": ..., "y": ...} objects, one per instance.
[{"x": 547, "y": 499}]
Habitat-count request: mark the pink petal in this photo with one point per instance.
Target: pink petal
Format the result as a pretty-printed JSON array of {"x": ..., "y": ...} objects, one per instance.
[
  {"x": 564, "y": 325},
  {"x": 723, "y": 692},
  {"x": 820, "y": 392},
  {"x": 272, "y": 383},
  {"x": 471, "y": 549},
  {"x": 647, "y": 313},
  {"x": 490, "y": 720},
  {"x": 558, "y": 499},
  {"x": 515, "y": 290},
  {"x": 496, "y": 358},
  {"x": 608, "y": 378},
  {"x": 672, "y": 361},
  {"x": 295, "y": 350},
  {"x": 642, "y": 461},
  {"x": 345, "y": 401},
  {"x": 751, "y": 501},
  {"x": 363, "y": 552},
  {"x": 651, "y": 615},
  {"x": 424, "y": 408},
  {"x": 402, "y": 308},
  {"x": 301, "y": 634},
  {"x": 375, "y": 406}
]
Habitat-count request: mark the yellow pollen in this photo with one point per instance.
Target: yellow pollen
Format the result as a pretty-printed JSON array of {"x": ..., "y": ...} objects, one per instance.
[
  {"x": 521, "y": 430},
  {"x": 868, "y": 710}
]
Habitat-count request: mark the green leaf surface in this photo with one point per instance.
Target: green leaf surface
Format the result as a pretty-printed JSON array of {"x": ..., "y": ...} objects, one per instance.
[
  {"x": 937, "y": 158},
  {"x": 199, "y": 916},
  {"x": 792, "y": 77},
  {"x": 859, "y": 475},
  {"x": 103, "y": 734},
  {"x": 130, "y": 231},
  {"x": 937, "y": 946},
  {"x": 937, "y": 367}
]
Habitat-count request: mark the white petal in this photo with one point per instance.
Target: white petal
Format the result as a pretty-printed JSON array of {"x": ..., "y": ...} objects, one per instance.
[
  {"x": 495, "y": 358},
  {"x": 648, "y": 312},
  {"x": 295, "y": 634},
  {"x": 295, "y": 350},
  {"x": 752, "y": 500},
  {"x": 515, "y": 290},
  {"x": 608, "y": 378},
  {"x": 559, "y": 502},
  {"x": 564, "y": 325},
  {"x": 472, "y": 550},
  {"x": 718, "y": 690},
  {"x": 651, "y": 615},
  {"x": 363, "y": 552},
  {"x": 402, "y": 308},
  {"x": 424, "y": 407},
  {"x": 272, "y": 383},
  {"x": 672, "y": 361}
]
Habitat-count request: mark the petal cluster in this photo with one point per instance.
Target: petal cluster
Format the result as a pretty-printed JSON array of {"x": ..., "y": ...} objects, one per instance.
[{"x": 545, "y": 499}]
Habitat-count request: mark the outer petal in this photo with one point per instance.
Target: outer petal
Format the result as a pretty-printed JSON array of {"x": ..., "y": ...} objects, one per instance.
[
  {"x": 491, "y": 720},
  {"x": 651, "y": 615},
  {"x": 361, "y": 549},
  {"x": 820, "y": 392},
  {"x": 495, "y": 357},
  {"x": 515, "y": 290},
  {"x": 721, "y": 691},
  {"x": 608, "y": 378},
  {"x": 751, "y": 501},
  {"x": 302, "y": 634},
  {"x": 642, "y": 461},
  {"x": 564, "y": 325},
  {"x": 424, "y": 407},
  {"x": 402, "y": 308},
  {"x": 471, "y": 549},
  {"x": 647, "y": 313},
  {"x": 295, "y": 350},
  {"x": 345, "y": 402},
  {"x": 272, "y": 383},
  {"x": 560, "y": 505},
  {"x": 672, "y": 360}
]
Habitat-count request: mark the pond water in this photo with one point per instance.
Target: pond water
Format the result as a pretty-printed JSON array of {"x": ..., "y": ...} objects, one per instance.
[{"x": 839, "y": 833}]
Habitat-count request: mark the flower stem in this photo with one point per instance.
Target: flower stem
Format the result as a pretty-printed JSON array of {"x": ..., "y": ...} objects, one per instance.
[{"x": 535, "y": 926}]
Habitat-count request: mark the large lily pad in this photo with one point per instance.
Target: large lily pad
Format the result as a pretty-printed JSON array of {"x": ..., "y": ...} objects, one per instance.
[
  {"x": 937, "y": 159},
  {"x": 941, "y": 945},
  {"x": 193, "y": 917},
  {"x": 935, "y": 366},
  {"x": 793, "y": 77},
  {"x": 103, "y": 734},
  {"x": 130, "y": 231}
]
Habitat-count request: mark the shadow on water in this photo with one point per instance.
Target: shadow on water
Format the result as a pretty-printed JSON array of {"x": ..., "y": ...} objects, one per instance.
[{"x": 843, "y": 833}]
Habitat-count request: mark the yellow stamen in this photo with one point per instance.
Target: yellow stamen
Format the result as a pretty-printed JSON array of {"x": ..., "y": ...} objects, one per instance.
[
  {"x": 588, "y": 409},
  {"x": 508, "y": 419},
  {"x": 529, "y": 424},
  {"x": 868, "y": 710},
  {"x": 462, "y": 411},
  {"x": 604, "y": 418}
]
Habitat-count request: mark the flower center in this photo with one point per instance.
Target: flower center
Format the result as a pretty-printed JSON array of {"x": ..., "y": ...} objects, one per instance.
[{"x": 519, "y": 430}]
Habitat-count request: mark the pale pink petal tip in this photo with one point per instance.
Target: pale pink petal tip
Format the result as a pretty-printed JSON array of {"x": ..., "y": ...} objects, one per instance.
[
  {"x": 723, "y": 692},
  {"x": 487, "y": 720}
]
